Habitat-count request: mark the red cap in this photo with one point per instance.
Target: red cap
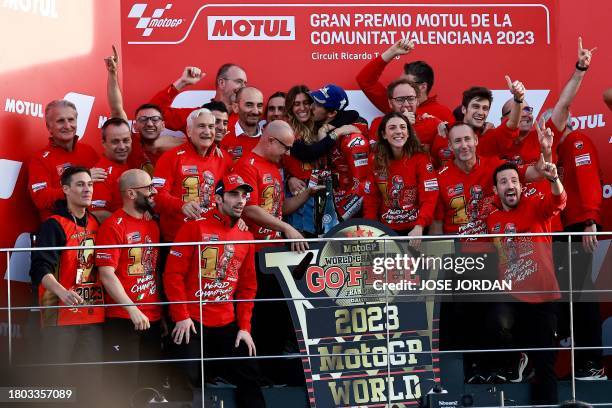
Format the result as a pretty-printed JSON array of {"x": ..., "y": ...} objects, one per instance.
[{"x": 231, "y": 182}]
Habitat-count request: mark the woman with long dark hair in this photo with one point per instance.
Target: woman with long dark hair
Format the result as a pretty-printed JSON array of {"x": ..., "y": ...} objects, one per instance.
[{"x": 402, "y": 188}]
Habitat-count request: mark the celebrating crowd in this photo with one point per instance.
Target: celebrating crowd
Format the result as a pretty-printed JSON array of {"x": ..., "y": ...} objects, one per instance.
[{"x": 293, "y": 167}]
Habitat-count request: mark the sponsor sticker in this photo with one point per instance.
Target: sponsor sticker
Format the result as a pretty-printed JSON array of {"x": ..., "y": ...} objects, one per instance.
[
  {"x": 431, "y": 184},
  {"x": 583, "y": 159},
  {"x": 39, "y": 186}
]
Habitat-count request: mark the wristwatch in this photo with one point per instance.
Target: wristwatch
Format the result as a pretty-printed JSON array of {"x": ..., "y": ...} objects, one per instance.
[
  {"x": 554, "y": 179},
  {"x": 333, "y": 134}
]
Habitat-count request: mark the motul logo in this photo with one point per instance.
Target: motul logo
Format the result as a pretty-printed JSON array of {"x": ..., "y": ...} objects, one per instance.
[{"x": 253, "y": 28}]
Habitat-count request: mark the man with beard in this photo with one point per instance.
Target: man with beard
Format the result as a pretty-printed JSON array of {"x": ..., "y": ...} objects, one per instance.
[
  {"x": 117, "y": 143},
  {"x": 130, "y": 277},
  {"x": 221, "y": 272},
  {"x": 181, "y": 173},
  {"x": 68, "y": 289},
  {"x": 219, "y": 111},
  {"x": 244, "y": 135},
  {"x": 230, "y": 78},
  {"x": 64, "y": 150},
  {"x": 530, "y": 320},
  {"x": 417, "y": 72}
]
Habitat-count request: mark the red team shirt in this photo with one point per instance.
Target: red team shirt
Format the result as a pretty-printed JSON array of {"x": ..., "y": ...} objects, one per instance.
[
  {"x": 106, "y": 194},
  {"x": 181, "y": 176},
  {"x": 135, "y": 267},
  {"x": 465, "y": 199},
  {"x": 580, "y": 173},
  {"x": 267, "y": 182},
  {"x": 76, "y": 272},
  {"x": 403, "y": 196},
  {"x": 238, "y": 143},
  {"x": 369, "y": 82},
  {"x": 227, "y": 272},
  {"x": 46, "y": 167},
  {"x": 527, "y": 261}
]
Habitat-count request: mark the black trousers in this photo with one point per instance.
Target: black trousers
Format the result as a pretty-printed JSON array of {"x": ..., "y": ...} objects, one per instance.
[
  {"x": 587, "y": 317},
  {"x": 64, "y": 345},
  {"x": 526, "y": 325},
  {"x": 219, "y": 342},
  {"x": 126, "y": 346}
]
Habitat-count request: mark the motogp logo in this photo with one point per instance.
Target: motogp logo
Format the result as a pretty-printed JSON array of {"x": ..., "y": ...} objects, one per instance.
[{"x": 155, "y": 20}]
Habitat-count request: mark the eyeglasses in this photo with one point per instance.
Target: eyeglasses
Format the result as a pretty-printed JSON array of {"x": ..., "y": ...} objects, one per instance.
[
  {"x": 149, "y": 187},
  {"x": 287, "y": 147},
  {"x": 239, "y": 81},
  {"x": 145, "y": 119},
  {"x": 526, "y": 109},
  {"x": 403, "y": 99}
]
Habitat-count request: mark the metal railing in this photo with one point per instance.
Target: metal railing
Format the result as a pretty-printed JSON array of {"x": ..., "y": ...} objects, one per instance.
[{"x": 389, "y": 300}]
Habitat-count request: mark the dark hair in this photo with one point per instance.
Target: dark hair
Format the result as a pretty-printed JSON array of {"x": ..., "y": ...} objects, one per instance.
[
  {"x": 422, "y": 71},
  {"x": 113, "y": 122},
  {"x": 505, "y": 166},
  {"x": 223, "y": 70},
  {"x": 148, "y": 106},
  {"x": 303, "y": 131},
  {"x": 215, "y": 106},
  {"x": 479, "y": 92},
  {"x": 383, "y": 148},
  {"x": 401, "y": 81},
  {"x": 66, "y": 177}
]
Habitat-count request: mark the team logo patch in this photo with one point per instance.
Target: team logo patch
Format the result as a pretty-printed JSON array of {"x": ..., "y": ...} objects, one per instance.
[
  {"x": 578, "y": 145},
  {"x": 366, "y": 187},
  {"x": 429, "y": 167},
  {"x": 103, "y": 256},
  {"x": 62, "y": 167},
  {"x": 496, "y": 228},
  {"x": 189, "y": 170},
  {"x": 235, "y": 179},
  {"x": 210, "y": 237},
  {"x": 158, "y": 182},
  {"x": 133, "y": 237},
  {"x": 267, "y": 178},
  {"x": 357, "y": 141},
  {"x": 431, "y": 185},
  {"x": 39, "y": 186},
  {"x": 176, "y": 253},
  {"x": 510, "y": 228},
  {"x": 457, "y": 189},
  {"x": 98, "y": 203},
  {"x": 583, "y": 159}
]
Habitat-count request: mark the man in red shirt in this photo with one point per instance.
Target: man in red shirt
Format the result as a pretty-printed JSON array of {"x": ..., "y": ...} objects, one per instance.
[
  {"x": 130, "y": 277},
  {"x": 219, "y": 111},
  {"x": 117, "y": 143},
  {"x": 230, "y": 78},
  {"x": 65, "y": 279},
  {"x": 243, "y": 135},
  {"x": 527, "y": 262},
  {"x": 216, "y": 273},
  {"x": 418, "y": 72},
  {"x": 186, "y": 175},
  {"x": 64, "y": 150}
]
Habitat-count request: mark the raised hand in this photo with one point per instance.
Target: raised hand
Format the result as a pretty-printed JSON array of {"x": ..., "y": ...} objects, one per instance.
[
  {"x": 545, "y": 137},
  {"x": 517, "y": 89},
  {"x": 190, "y": 76},
  {"x": 112, "y": 62},
  {"x": 584, "y": 54},
  {"x": 402, "y": 47}
]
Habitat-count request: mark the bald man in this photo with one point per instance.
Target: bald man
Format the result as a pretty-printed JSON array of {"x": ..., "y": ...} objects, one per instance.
[
  {"x": 130, "y": 277},
  {"x": 244, "y": 135},
  {"x": 263, "y": 214}
]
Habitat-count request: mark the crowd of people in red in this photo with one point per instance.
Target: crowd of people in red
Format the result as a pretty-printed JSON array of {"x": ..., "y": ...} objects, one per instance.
[{"x": 249, "y": 170}]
